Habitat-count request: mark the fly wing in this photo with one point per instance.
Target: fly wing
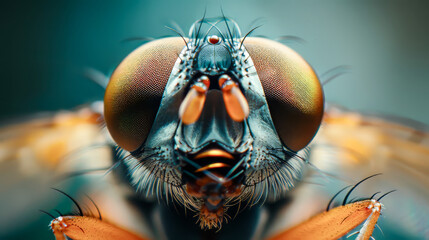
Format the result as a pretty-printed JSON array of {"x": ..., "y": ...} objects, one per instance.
[
  {"x": 41, "y": 152},
  {"x": 45, "y": 142},
  {"x": 351, "y": 146}
]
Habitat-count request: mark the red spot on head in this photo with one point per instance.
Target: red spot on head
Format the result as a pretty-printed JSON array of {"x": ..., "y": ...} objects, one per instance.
[{"x": 213, "y": 39}]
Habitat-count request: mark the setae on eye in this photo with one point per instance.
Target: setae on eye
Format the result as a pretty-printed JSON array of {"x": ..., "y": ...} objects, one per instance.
[
  {"x": 292, "y": 90},
  {"x": 135, "y": 89}
]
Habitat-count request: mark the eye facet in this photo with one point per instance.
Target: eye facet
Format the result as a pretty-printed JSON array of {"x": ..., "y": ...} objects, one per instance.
[
  {"x": 135, "y": 89},
  {"x": 292, "y": 90}
]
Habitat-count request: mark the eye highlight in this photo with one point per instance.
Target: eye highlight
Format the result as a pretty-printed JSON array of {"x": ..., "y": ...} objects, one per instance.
[
  {"x": 135, "y": 89},
  {"x": 292, "y": 89}
]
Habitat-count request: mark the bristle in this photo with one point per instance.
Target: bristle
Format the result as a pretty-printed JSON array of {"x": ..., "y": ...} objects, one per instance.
[{"x": 154, "y": 175}]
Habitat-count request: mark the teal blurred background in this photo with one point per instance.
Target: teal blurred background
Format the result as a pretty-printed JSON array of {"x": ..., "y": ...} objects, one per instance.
[{"x": 46, "y": 45}]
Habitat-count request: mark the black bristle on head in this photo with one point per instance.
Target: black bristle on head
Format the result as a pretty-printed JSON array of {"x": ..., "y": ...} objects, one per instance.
[
  {"x": 227, "y": 27},
  {"x": 183, "y": 38},
  {"x": 247, "y": 34},
  {"x": 199, "y": 28}
]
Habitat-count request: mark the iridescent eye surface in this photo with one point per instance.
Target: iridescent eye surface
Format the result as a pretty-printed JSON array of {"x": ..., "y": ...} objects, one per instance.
[
  {"x": 135, "y": 90},
  {"x": 292, "y": 90}
]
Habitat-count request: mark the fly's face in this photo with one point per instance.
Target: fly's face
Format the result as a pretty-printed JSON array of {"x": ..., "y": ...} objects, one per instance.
[{"x": 214, "y": 122}]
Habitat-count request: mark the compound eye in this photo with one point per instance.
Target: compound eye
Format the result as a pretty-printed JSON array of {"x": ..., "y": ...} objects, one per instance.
[
  {"x": 134, "y": 92},
  {"x": 292, "y": 90}
]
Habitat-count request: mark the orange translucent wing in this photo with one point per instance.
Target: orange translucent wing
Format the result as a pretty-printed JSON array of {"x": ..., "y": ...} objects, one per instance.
[
  {"x": 48, "y": 140},
  {"x": 45, "y": 152},
  {"x": 351, "y": 146},
  {"x": 36, "y": 153}
]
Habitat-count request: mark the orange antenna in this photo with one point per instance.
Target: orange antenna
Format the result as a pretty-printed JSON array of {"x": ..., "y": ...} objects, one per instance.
[
  {"x": 235, "y": 102},
  {"x": 192, "y": 106}
]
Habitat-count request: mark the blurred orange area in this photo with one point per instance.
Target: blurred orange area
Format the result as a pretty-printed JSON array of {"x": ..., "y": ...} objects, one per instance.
[{"x": 44, "y": 142}]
